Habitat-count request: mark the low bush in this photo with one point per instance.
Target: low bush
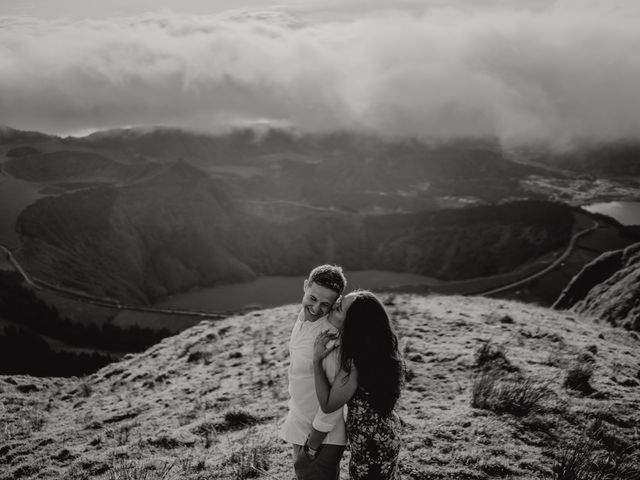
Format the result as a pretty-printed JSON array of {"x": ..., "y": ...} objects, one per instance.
[
  {"x": 492, "y": 356},
  {"x": 582, "y": 457},
  {"x": 517, "y": 396},
  {"x": 578, "y": 376},
  {"x": 236, "y": 420},
  {"x": 251, "y": 460}
]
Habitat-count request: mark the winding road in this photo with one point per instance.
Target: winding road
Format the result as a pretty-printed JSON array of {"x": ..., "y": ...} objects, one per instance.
[
  {"x": 555, "y": 264},
  {"x": 102, "y": 301},
  {"x": 117, "y": 305}
]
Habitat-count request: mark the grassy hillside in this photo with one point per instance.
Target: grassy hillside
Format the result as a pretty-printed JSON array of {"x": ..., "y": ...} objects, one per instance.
[
  {"x": 180, "y": 229},
  {"x": 614, "y": 159},
  {"x": 68, "y": 166},
  {"x": 495, "y": 389},
  {"x": 608, "y": 288}
]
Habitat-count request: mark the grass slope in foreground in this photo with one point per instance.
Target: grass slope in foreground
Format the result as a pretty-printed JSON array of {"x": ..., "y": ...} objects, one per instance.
[{"x": 495, "y": 389}]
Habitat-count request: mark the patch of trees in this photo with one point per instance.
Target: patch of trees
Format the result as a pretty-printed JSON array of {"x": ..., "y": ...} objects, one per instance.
[
  {"x": 22, "y": 151},
  {"x": 464, "y": 243},
  {"x": 23, "y": 352},
  {"x": 452, "y": 244},
  {"x": 22, "y": 307},
  {"x": 632, "y": 231}
]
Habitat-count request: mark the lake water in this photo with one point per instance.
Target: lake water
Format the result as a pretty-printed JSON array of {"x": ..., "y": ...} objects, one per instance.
[
  {"x": 274, "y": 291},
  {"x": 627, "y": 213}
]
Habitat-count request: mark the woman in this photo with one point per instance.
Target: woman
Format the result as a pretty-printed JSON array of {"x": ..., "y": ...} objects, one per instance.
[{"x": 369, "y": 382}]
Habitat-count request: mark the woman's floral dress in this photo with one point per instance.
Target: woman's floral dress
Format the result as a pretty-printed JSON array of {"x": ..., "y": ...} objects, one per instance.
[{"x": 374, "y": 440}]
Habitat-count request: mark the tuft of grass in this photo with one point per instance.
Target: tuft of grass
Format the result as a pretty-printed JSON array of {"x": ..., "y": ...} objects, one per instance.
[
  {"x": 483, "y": 389},
  {"x": 409, "y": 374},
  {"x": 491, "y": 391},
  {"x": 236, "y": 420},
  {"x": 85, "y": 389},
  {"x": 122, "y": 434},
  {"x": 491, "y": 356},
  {"x": 251, "y": 460},
  {"x": 168, "y": 442},
  {"x": 389, "y": 300},
  {"x": 206, "y": 430},
  {"x": 122, "y": 469},
  {"x": 581, "y": 458},
  {"x": 578, "y": 377},
  {"x": 192, "y": 464}
]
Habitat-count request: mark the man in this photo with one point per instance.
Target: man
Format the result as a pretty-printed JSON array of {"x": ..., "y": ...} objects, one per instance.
[{"x": 318, "y": 439}]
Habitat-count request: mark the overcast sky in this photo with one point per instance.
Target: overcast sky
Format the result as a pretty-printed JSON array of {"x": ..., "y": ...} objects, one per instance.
[{"x": 553, "y": 71}]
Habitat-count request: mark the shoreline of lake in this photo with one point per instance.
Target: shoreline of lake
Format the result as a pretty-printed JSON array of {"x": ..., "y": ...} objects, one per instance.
[
  {"x": 625, "y": 212},
  {"x": 273, "y": 291}
]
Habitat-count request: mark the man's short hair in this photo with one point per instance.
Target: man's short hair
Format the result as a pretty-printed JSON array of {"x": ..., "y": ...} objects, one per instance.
[{"x": 329, "y": 276}]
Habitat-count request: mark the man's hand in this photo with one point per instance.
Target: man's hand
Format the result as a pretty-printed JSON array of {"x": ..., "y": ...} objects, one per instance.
[{"x": 324, "y": 344}]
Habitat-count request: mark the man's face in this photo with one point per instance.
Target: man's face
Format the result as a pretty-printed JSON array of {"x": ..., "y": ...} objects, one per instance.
[{"x": 317, "y": 300}]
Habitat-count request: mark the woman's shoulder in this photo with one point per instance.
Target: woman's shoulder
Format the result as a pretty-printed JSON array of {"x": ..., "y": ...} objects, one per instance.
[{"x": 325, "y": 324}]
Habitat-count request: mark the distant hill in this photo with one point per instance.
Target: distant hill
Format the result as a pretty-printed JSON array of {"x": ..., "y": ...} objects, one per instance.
[
  {"x": 340, "y": 170},
  {"x": 10, "y": 135},
  {"x": 143, "y": 213},
  {"x": 343, "y": 170},
  {"x": 135, "y": 242},
  {"x": 608, "y": 288},
  {"x": 614, "y": 159},
  {"x": 69, "y": 166},
  {"x": 178, "y": 228},
  {"x": 495, "y": 389}
]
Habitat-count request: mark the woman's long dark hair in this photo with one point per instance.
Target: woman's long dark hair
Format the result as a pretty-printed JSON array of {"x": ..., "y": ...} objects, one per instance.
[{"x": 370, "y": 344}]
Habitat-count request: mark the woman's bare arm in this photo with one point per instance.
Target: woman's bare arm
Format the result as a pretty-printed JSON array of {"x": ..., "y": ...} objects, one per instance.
[{"x": 333, "y": 397}]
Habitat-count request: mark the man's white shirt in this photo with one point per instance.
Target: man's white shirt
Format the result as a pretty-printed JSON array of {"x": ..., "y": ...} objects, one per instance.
[{"x": 304, "y": 409}]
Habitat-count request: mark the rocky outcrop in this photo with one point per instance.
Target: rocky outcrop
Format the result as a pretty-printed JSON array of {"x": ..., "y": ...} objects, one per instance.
[
  {"x": 608, "y": 288},
  {"x": 592, "y": 274}
]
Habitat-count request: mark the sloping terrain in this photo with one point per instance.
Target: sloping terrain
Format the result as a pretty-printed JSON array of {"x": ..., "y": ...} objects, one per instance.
[
  {"x": 134, "y": 242},
  {"x": 206, "y": 403},
  {"x": 181, "y": 229},
  {"x": 139, "y": 214},
  {"x": 608, "y": 288},
  {"x": 69, "y": 166},
  {"x": 603, "y": 160}
]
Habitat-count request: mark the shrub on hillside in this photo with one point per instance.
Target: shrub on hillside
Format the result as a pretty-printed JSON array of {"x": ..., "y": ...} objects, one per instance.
[
  {"x": 582, "y": 457},
  {"x": 250, "y": 460},
  {"x": 22, "y": 151},
  {"x": 492, "y": 356},
  {"x": 236, "y": 420},
  {"x": 578, "y": 376},
  {"x": 519, "y": 396}
]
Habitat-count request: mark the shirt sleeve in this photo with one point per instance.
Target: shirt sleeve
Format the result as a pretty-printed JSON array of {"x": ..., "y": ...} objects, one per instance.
[{"x": 325, "y": 422}]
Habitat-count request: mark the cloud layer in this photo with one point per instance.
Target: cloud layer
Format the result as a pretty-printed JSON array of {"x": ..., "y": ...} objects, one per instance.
[{"x": 560, "y": 73}]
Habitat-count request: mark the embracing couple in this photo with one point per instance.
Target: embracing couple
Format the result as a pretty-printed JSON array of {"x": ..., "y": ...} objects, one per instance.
[{"x": 343, "y": 351}]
